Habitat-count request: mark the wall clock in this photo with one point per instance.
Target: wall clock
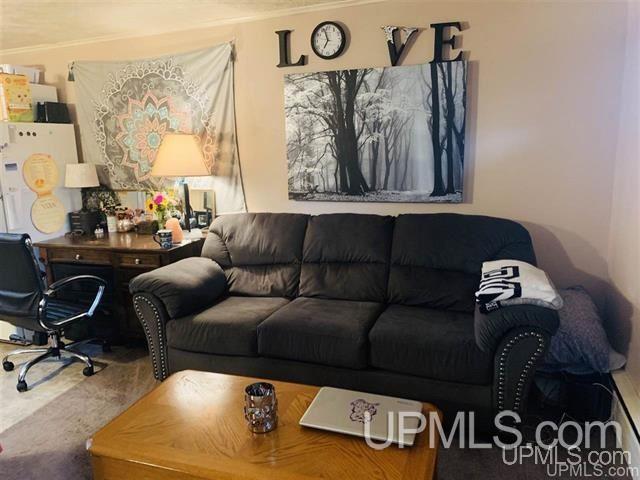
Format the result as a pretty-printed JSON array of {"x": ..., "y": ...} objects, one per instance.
[{"x": 328, "y": 40}]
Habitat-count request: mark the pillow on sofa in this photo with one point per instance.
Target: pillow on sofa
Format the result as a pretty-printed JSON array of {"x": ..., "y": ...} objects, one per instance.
[{"x": 580, "y": 345}]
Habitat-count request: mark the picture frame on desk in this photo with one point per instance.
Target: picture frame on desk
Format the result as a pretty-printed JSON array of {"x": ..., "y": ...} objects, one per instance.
[{"x": 203, "y": 218}]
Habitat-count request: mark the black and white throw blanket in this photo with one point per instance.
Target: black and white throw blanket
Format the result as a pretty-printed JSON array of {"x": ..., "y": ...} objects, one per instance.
[{"x": 512, "y": 282}]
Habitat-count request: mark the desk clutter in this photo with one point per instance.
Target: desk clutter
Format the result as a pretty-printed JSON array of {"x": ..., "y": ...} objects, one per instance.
[{"x": 103, "y": 212}]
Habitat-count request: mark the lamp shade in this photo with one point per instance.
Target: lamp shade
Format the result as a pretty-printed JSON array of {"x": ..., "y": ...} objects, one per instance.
[
  {"x": 179, "y": 155},
  {"x": 81, "y": 175}
]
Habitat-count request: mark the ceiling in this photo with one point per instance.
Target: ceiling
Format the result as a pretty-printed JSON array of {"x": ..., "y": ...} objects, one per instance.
[{"x": 32, "y": 24}]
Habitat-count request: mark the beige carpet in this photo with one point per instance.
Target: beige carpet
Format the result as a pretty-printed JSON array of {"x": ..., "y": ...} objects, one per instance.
[{"x": 43, "y": 431}]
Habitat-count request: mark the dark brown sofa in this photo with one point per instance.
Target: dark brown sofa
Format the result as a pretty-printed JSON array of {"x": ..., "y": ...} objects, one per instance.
[{"x": 375, "y": 303}]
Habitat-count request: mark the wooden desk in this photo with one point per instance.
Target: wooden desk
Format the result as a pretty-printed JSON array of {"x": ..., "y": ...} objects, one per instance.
[
  {"x": 192, "y": 426},
  {"x": 118, "y": 258}
]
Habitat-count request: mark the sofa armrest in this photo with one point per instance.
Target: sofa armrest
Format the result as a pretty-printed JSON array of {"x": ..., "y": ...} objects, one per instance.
[
  {"x": 184, "y": 287},
  {"x": 490, "y": 329},
  {"x": 518, "y": 337},
  {"x": 153, "y": 318},
  {"x": 173, "y": 291}
]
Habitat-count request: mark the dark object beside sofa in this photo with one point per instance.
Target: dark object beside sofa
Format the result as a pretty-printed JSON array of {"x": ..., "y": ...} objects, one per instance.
[{"x": 375, "y": 303}]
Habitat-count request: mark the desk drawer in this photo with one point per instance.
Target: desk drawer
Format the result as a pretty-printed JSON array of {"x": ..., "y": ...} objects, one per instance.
[
  {"x": 95, "y": 257},
  {"x": 138, "y": 260},
  {"x": 81, "y": 291}
]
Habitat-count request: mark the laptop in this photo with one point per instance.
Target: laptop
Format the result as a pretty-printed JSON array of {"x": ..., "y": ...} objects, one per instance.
[{"x": 346, "y": 411}]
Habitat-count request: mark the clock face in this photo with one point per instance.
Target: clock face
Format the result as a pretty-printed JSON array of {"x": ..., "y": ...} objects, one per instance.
[{"x": 328, "y": 40}]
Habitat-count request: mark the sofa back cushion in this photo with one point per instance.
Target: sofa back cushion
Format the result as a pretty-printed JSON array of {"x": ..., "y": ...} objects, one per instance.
[
  {"x": 259, "y": 252},
  {"x": 346, "y": 256},
  {"x": 436, "y": 259}
]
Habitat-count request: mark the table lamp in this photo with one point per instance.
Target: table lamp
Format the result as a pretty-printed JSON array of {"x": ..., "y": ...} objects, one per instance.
[
  {"x": 180, "y": 155},
  {"x": 82, "y": 175}
]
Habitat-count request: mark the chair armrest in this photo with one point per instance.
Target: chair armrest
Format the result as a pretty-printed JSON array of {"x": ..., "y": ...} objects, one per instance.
[
  {"x": 59, "y": 285},
  {"x": 491, "y": 328},
  {"x": 184, "y": 287}
]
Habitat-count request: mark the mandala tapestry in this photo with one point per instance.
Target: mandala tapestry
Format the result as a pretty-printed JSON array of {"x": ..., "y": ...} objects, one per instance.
[{"x": 125, "y": 108}]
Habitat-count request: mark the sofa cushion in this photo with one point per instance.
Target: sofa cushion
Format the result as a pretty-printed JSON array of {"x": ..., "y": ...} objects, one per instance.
[
  {"x": 436, "y": 259},
  {"x": 259, "y": 252},
  {"x": 429, "y": 343},
  {"x": 227, "y": 328},
  {"x": 346, "y": 256},
  {"x": 327, "y": 332}
]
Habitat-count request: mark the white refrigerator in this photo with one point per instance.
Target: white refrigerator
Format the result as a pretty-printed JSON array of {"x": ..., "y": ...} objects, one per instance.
[
  {"x": 32, "y": 168},
  {"x": 33, "y": 198}
]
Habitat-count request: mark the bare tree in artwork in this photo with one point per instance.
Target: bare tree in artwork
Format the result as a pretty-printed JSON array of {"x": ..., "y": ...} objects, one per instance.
[
  {"x": 371, "y": 115},
  {"x": 367, "y": 135},
  {"x": 344, "y": 86},
  {"x": 460, "y": 86},
  {"x": 454, "y": 126},
  {"x": 449, "y": 118},
  {"x": 434, "y": 90},
  {"x": 335, "y": 93}
]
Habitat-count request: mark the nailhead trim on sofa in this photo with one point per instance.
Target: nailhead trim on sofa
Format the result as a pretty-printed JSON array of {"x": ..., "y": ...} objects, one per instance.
[
  {"x": 160, "y": 371},
  {"x": 525, "y": 371}
]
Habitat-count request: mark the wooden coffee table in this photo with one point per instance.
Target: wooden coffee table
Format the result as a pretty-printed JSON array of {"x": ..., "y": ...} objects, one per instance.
[{"x": 192, "y": 427}]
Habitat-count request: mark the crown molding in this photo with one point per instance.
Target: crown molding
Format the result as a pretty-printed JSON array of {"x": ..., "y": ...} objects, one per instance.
[{"x": 196, "y": 26}]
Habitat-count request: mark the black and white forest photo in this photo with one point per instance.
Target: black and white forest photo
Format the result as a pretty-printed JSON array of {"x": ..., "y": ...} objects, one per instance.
[{"x": 367, "y": 135}]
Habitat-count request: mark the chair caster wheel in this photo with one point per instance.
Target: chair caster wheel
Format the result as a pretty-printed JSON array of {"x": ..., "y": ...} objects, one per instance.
[
  {"x": 22, "y": 386},
  {"x": 87, "y": 371},
  {"x": 8, "y": 366}
]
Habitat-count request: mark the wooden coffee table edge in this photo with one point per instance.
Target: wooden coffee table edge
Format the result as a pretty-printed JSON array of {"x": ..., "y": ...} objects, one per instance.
[{"x": 119, "y": 459}]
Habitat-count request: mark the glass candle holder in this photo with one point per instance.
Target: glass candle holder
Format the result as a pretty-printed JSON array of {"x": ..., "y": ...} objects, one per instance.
[{"x": 261, "y": 407}]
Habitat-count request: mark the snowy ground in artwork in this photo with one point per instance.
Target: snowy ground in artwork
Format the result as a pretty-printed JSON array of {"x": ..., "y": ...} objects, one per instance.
[{"x": 379, "y": 196}]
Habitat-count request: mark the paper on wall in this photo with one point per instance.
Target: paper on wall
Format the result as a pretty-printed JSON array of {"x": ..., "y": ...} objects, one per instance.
[{"x": 41, "y": 175}]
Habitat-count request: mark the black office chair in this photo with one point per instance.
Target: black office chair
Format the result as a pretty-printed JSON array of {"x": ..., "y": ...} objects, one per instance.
[{"x": 26, "y": 302}]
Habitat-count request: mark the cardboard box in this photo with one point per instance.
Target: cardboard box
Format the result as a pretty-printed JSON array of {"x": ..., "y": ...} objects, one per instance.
[{"x": 16, "y": 104}]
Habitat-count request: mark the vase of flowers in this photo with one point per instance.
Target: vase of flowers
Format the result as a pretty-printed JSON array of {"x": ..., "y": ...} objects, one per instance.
[{"x": 163, "y": 205}]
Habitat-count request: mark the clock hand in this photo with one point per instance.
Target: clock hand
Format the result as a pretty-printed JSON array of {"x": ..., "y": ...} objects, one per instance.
[{"x": 326, "y": 43}]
